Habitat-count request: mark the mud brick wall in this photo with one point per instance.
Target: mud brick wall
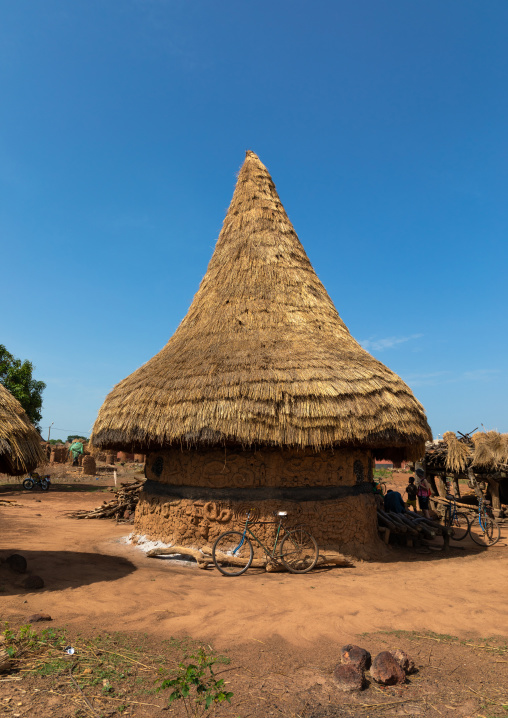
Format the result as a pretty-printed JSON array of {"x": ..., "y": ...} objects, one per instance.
[
  {"x": 217, "y": 468},
  {"x": 347, "y": 524}
]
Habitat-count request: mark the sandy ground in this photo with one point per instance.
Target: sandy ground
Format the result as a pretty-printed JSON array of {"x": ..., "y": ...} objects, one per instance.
[
  {"x": 93, "y": 578},
  {"x": 281, "y": 633}
]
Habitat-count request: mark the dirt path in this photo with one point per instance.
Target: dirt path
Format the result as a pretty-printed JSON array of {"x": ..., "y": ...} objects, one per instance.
[
  {"x": 281, "y": 633},
  {"x": 93, "y": 578}
]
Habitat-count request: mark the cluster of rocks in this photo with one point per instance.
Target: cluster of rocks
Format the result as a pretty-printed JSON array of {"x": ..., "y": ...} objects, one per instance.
[
  {"x": 17, "y": 563},
  {"x": 388, "y": 668}
]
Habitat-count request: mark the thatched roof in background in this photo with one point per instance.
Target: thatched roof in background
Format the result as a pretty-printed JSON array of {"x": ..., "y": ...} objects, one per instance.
[
  {"x": 485, "y": 452},
  {"x": 20, "y": 443},
  {"x": 262, "y": 356}
]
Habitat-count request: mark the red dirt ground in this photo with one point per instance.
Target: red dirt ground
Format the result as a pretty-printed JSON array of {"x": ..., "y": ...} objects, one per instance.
[{"x": 95, "y": 582}]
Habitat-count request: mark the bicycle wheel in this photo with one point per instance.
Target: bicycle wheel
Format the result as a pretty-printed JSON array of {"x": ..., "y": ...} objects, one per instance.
[
  {"x": 459, "y": 524},
  {"x": 232, "y": 553},
  {"x": 299, "y": 551},
  {"x": 486, "y": 534},
  {"x": 28, "y": 484}
]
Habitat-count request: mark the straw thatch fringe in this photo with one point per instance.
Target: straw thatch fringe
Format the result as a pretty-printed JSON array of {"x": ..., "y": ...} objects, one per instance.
[
  {"x": 262, "y": 356},
  {"x": 20, "y": 444},
  {"x": 490, "y": 449},
  {"x": 458, "y": 455}
]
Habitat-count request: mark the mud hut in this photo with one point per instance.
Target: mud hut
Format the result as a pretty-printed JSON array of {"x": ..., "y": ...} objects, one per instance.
[
  {"x": 261, "y": 397},
  {"x": 20, "y": 443}
]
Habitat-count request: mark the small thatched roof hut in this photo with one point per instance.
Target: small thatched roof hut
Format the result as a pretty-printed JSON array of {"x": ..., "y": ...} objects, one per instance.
[
  {"x": 483, "y": 454},
  {"x": 20, "y": 444},
  {"x": 261, "y": 362}
]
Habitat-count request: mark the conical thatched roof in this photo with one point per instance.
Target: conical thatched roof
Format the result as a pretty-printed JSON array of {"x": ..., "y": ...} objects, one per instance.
[
  {"x": 262, "y": 356},
  {"x": 20, "y": 444}
]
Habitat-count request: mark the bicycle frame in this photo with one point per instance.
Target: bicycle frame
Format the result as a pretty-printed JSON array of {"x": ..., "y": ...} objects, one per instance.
[
  {"x": 482, "y": 509},
  {"x": 265, "y": 549}
]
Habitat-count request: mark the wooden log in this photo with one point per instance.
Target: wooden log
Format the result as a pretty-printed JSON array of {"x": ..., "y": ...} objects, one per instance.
[
  {"x": 333, "y": 557},
  {"x": 398, "y": 527},
  {"x": 398, "y": 521},
  {"x": 202, "y": 560},
  {"x": 410, "y": 528},
  {"x": 420, "y": 526},
  {"x": 384, "y": 520},
  {"x": 494, "y": 495},
  {"x": 200, "y": 556},
  {"x": 441, "y": 501},
  {"x": 325, "y": 558}
]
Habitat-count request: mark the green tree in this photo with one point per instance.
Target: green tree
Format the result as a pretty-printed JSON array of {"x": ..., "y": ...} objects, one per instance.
[{"x": 16, "y": 376}]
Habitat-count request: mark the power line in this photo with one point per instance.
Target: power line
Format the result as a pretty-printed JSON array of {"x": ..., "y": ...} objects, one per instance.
[{"x": 74, "y": 431}]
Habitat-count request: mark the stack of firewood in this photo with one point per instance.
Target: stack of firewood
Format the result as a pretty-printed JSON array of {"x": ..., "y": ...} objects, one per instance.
[
  {"x": 411, "y": 525},
  {"x": 121, "y": 508}
]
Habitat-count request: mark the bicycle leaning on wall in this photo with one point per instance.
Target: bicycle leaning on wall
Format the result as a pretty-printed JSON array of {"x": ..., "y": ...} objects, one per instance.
[{"x": 233, "y": 553}]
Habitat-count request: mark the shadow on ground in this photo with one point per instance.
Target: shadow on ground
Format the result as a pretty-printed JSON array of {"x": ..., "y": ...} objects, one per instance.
[{"x": 61, "y": 570}]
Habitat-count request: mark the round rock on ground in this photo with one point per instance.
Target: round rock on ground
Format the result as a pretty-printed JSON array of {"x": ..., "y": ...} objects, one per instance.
[
  {"x": 36, "y": 617},
  {"x": 16, "y": 562},
  {"x": 33, "y": 582},
  {"x": 386, "y": 670},
  {"x": 348, "y": 677},
  {"x": 404, "y": 660},
  {"x": 355, "y": 656}
]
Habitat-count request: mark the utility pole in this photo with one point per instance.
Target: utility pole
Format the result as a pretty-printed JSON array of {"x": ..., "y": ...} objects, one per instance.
[{"x": 49, "y": 429}]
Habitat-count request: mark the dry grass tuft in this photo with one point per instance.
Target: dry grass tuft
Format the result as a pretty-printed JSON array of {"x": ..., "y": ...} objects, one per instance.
[
  {"x": 20, "y": 444},
  {"x": 490, "y": 449},
  {"x": 458, "y": 455},
  {"x": 262, "y": 356}
]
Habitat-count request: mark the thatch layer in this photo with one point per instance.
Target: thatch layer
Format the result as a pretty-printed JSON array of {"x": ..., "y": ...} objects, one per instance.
[
  {"x": 20, "y": 444},
  {"x": 458, "y": 456},
  {"x": 490, "y": 449},
  {"x": 262, "y": 356}
]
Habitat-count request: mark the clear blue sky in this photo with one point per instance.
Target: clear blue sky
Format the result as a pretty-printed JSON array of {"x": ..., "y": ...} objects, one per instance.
[{"x": 384, "y": 125}]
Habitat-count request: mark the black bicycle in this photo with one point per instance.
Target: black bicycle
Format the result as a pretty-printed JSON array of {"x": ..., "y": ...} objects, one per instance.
[
  {"x": 233, "y": 554},
  {"x": 456, "y": 520},
  {"x": 34, "y": 481}
]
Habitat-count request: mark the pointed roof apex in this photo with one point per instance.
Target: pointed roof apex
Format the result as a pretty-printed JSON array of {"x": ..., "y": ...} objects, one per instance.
[{"x": 262, "y": 356}]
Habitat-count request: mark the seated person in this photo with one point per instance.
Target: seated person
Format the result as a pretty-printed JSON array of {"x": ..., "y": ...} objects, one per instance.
[{"x": 394, "y": 502}]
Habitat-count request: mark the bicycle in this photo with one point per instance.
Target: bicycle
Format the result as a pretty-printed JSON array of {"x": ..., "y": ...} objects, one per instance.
[
  {"x": 456, "y": 520},
  {"x": 233, "y": 553},
  {"x": 487, "y": 531},
  {"x": 34, "y": 481}
]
